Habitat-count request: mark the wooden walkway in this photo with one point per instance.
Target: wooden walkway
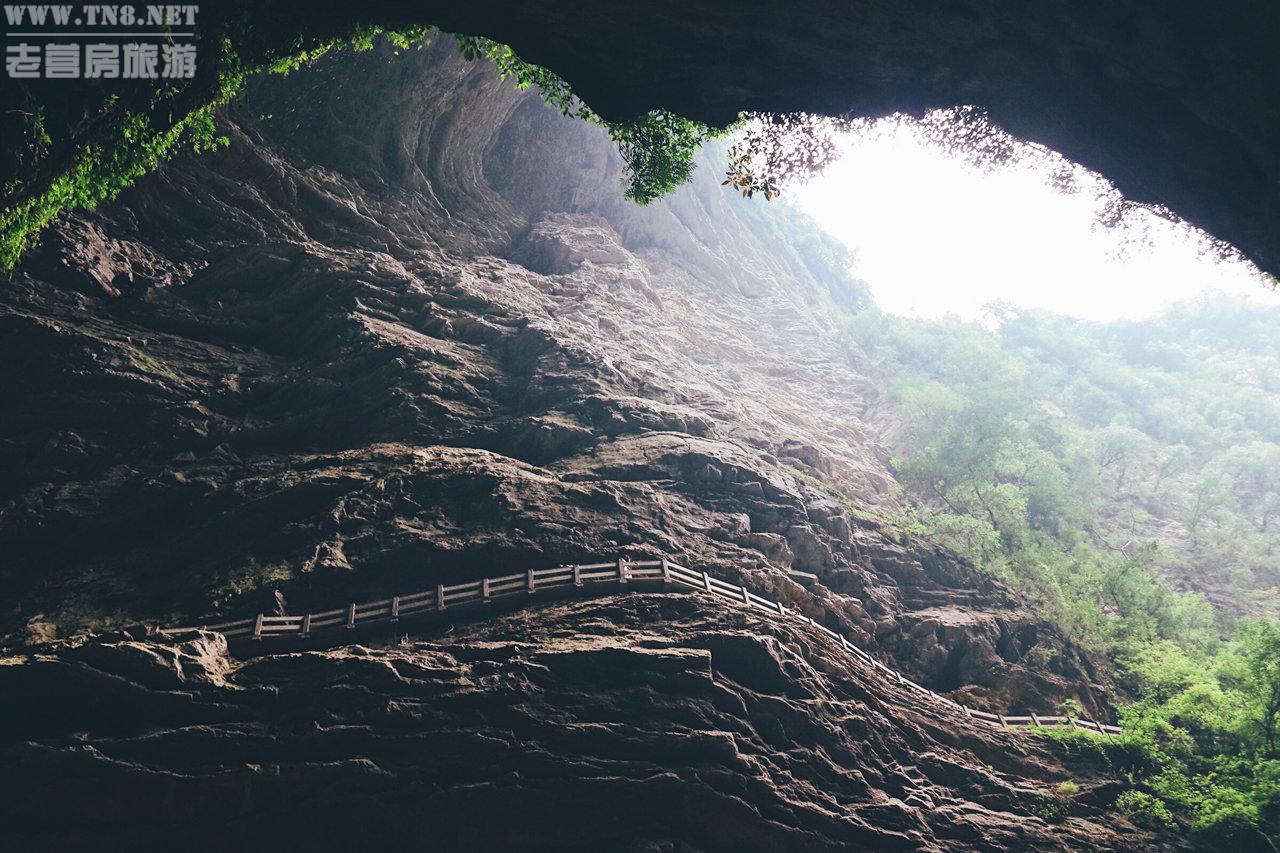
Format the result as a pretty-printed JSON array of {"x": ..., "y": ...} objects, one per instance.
[{"x": 608, "y": 578}]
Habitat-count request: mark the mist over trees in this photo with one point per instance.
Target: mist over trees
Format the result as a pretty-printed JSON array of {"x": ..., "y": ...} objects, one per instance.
[
  {"x": 1049, "y": 430},
  {"x": 1125, "y": 477}
]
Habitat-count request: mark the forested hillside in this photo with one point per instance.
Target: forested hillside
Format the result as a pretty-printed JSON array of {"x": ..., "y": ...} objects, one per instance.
[{"x": 1126, "y": 477}]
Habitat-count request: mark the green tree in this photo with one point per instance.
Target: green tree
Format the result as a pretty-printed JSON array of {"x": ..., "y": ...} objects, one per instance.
[{"x": 1260, "y": 645}]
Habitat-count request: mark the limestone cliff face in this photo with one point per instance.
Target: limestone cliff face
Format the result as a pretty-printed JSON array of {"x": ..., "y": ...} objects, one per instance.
[{"x": 406, "y": 331}]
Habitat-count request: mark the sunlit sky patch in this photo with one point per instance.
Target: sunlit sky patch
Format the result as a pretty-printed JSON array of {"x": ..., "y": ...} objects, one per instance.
[{"x": 936, "y": 235}]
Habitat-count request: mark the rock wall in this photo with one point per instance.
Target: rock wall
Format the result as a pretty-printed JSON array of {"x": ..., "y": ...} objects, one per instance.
[
  {"x": 402, "y": 332},
  {"x": 405, "y": 330},
  {"x": 641, "y": 723}
]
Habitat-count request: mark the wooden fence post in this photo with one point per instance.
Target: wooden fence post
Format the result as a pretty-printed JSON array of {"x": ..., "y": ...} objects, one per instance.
[
  {"x": 306, "y": 625},
  {"x": 395, "y": 608},
  {"x": 484, "y": 590},
  {"x": 624, "y": 570},
  {"x": 351, "y": 615},
  {"x": 528, "y": 581},
  {"x": 577, "y": 575},
  {"x": 439, "y": 596},
  {"x": 666, "y": 572},
  {"x": 706, "y": 581},
  {"x": 782, "y": 611},
  {"x": 1003, "y": 721},
  {"x": 1035, "y": 719},
  {"x": 257, "y": 627},
  {"x": 746, "y": 596}
]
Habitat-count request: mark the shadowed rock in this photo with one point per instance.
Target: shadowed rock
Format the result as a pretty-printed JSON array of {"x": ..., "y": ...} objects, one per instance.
[{"x": 643, "y": 722}]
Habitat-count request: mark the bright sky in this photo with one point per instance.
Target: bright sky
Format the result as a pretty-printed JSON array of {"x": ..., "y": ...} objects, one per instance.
[{"x": 936, "y": 235}]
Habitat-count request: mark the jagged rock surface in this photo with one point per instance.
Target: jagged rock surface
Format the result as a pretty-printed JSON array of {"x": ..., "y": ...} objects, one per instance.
[
  {"x": 647, "y": 722},
  {"x": 413, "y": 332},
  {"x": 410, "y": 334}
]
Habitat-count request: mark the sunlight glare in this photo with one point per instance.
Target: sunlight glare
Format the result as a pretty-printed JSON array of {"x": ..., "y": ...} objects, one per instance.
[{"x": 936, "y": 235}]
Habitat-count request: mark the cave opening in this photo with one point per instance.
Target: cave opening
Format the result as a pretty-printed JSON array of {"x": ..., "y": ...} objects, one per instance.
[{"x": 921, "y": 502}]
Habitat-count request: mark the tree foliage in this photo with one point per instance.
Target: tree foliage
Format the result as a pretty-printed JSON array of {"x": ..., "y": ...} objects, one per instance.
[
  {"x": 1108, "y": 472},
  {"x": 775, "y": 150},
  {"x": 142, "y": 139}
]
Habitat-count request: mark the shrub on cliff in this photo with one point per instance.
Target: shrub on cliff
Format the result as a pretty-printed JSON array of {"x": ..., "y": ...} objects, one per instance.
[{"x": 658, "y": 147}]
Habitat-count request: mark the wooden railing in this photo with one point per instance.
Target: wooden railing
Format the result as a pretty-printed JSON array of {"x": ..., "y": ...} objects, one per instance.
[{"x": 619, "y": 573}]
